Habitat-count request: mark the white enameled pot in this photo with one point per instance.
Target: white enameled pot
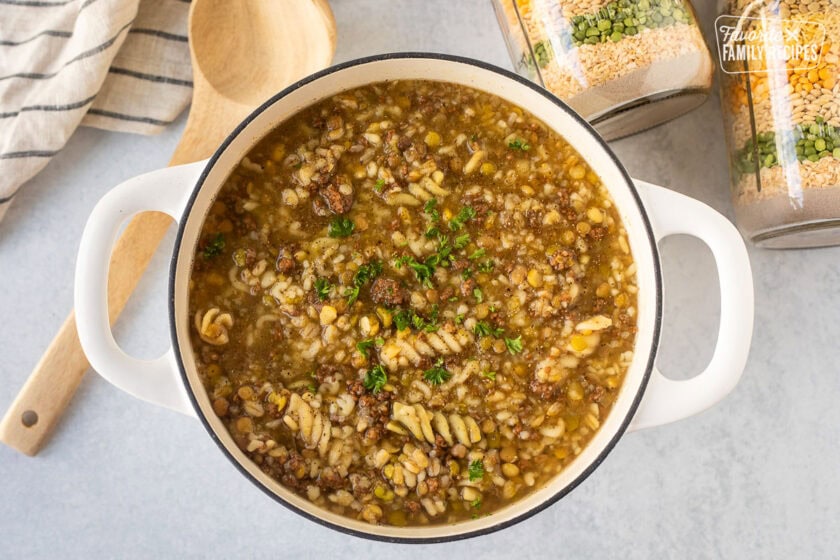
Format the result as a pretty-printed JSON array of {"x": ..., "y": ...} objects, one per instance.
[{"x": 649, "y": 213}]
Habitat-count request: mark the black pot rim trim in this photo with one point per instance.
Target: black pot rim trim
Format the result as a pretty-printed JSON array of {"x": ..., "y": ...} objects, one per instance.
[{"x": 656, "y": 272}]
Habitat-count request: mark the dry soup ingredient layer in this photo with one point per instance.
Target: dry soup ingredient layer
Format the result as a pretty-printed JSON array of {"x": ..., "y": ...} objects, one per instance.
[
  {"x": 413, "y": 303},
  {"x": 583, "y": 45}
]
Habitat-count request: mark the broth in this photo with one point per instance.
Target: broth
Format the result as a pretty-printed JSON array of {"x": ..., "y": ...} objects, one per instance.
[{"x": 413, "y": 303}]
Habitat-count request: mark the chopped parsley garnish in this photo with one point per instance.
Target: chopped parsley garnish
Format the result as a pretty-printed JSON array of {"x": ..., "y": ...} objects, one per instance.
[
  {"x": 476, "y": 470},
  {"x": 466, "y": 214},
  {"x": 402, "y": 320},
  {"x": 352, "y": 294},
  {"x": 519, "y": 144},
  {"x": 486, "y": 266},
  {"x": 444, "y": 253},
  {"x": 461, "y": 241},
  {"x": 430, "y": 208},
  {"x": 478, "y": 294},
  {"x": 483, "y": 328},
  {"x": 467, "y": 273},
  {"x": 477, "y": 254},
  {"x": 341, "y": 227},
  {"x": 437, "y": 374},
  {"x": 443, "y": 257},
  {"x": 424, "y": 271},
  {"x": 364, "y": 346},
  {"x": 475, "y": 504},
  {"x": 406, "y": 318},
  {"x": 322, "y": 288},
  {"x": 312, "y": 388},
  {"x": 433, "y": 317},
  {"x": 491, "y": 375},
  {"x": 514, "y": 345},
  {"x": 459, "y": 318},
  {"x": 375, "y": 379},
  {"x": 380, "y": 184},
  {"x": 365, "y": 274},
  {"x": 215, "y": 247},
  {"x": 418, "y": 322}
]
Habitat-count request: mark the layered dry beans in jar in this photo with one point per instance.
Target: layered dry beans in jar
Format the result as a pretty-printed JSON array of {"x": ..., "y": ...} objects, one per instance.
[
  {"x": 602, "y": 56},
  {"x": 413, "y": 303},
  {"x": 783, "y": 117}
]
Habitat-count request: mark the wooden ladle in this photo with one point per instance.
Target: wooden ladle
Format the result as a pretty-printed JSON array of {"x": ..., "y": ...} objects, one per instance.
[{"x": 243, "y": 52}]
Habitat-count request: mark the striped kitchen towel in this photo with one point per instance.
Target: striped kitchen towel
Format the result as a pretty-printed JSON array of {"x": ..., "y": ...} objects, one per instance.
[{"x": 115, "y": 64}]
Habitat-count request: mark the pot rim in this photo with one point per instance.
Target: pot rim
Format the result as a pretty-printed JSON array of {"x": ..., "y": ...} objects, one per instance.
[{"x": 657, "y": 278}]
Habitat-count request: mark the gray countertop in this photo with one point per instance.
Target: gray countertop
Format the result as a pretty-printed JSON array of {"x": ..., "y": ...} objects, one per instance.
[{"x": 754, "y": 477}]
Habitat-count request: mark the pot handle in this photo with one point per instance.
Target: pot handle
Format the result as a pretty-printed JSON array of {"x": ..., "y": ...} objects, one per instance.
[
  {"x": 666, "y": 400},
  {"x": 157, "y": 381}
]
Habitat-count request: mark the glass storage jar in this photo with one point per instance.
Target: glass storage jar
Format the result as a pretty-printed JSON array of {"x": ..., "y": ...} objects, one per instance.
[
  {"x": 781, "y": 106},
  {"x": 624, "y": 65}
]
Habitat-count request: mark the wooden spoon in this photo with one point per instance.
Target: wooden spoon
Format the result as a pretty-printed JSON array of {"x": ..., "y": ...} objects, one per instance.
[{"x": 243, "y": 52}]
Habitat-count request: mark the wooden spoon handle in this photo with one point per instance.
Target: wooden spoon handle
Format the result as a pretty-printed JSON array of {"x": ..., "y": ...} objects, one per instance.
[{"x": 43, "y": 398}]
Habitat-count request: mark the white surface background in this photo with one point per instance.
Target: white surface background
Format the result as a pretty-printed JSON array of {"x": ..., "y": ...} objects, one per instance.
[{"x": 755, "y": 477}]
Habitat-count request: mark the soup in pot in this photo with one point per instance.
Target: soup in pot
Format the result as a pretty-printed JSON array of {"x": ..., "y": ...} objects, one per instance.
[{"x": 413, "y": 303}]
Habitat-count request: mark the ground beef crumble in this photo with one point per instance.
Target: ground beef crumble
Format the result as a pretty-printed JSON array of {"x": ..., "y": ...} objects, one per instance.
[
  {"x": 385, "y": 291},
  {"x": 338, "y": 195}
]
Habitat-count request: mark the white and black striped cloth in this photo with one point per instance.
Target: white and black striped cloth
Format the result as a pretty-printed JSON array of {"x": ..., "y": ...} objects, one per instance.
[{"x": 114, "y": 64}]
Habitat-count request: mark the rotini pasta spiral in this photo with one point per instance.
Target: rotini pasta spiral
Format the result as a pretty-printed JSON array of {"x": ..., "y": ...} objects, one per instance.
[
  {"x": 340, "y": 456},
  {"x": 418, "y": 193},
  {"x": 213, "y": 326},
  {"x": 313, "y": 428},
  {"x": 423, "y": 425},
  {"x": 400, "y": 351}
]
